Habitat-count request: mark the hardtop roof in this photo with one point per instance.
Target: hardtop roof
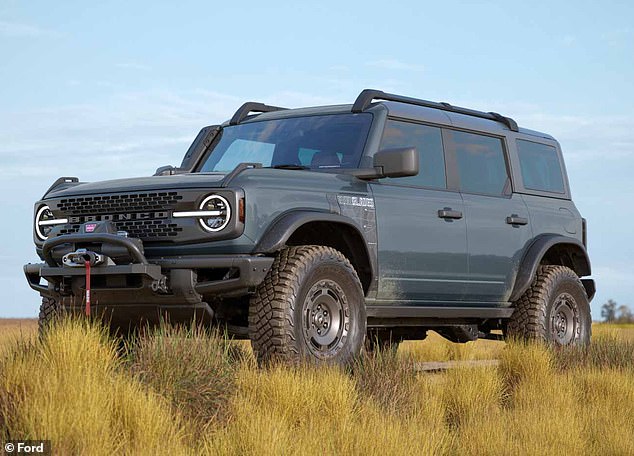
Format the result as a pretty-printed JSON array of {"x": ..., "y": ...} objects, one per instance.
[{"x": 403, "y": 111}]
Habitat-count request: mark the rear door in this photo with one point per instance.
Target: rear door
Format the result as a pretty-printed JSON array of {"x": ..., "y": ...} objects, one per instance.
[
  {"x": 498, "y": 225},
  {"x": 422, "y": 237}
]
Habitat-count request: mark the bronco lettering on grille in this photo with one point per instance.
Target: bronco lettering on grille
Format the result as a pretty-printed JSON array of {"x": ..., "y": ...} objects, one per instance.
[{"x": 118, "y": 217}]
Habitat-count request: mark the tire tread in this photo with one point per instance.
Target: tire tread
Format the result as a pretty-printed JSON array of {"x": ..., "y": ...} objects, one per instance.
[
  {"x": 271, "y": 310},
  {"x": 529, "y": 320},
  {"x": 49, "y": 311}
]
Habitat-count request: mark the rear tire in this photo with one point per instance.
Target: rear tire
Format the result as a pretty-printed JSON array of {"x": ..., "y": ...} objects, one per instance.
[
  {"x": 310, "y": 307},
  {"x": 555, "y": 309}
]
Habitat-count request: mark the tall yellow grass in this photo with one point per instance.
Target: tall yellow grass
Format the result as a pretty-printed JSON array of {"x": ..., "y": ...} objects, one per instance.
[
  {"x": 188, "y": 391},
  {"x": 69, "y": 387}
]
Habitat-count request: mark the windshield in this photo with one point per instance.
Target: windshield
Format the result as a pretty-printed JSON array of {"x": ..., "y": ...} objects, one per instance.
[{"x": 314, "y": 142}]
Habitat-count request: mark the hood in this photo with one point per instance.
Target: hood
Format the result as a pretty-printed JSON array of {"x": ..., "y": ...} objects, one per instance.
[{"x": 177, "y": 181}]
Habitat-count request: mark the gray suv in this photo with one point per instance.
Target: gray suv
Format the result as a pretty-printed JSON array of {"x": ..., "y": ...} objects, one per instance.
[{"x": 316, "y": 232}]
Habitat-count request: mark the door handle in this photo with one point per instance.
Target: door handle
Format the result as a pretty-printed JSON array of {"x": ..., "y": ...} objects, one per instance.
[
  {"x": 516, "y": 220},
  {"x": 448, "y": 213}
]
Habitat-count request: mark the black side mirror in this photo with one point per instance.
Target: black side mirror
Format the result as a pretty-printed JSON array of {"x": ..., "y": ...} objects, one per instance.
[{"x": 399, "y": 162}]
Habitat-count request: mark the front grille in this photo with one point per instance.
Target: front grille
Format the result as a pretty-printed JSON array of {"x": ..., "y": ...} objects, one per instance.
[
  {"x": 143, "y": 229},
  {"x": 112, "y": 204},
  {"x": 112, "y": 207}
]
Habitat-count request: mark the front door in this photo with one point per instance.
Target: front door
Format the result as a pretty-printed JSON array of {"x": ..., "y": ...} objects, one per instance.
[{"x": 422, "y": 240}]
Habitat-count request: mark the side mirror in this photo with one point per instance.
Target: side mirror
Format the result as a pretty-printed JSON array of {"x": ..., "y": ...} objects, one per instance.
[
  {"x": 401, "y": 162},
  {"x": 168, "y": 170}
]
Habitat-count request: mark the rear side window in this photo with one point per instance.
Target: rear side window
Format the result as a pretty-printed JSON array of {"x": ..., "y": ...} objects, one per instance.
[
  {"x": 481, "y": 164},
  {"x": 541, "y": 168},
  {"x": 428, "y": 143}
]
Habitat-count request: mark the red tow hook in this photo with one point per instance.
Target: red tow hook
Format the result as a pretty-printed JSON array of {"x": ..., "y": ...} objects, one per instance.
[
  {"x": 87, "y": 259},
  {"x": 87, "y": 288}
]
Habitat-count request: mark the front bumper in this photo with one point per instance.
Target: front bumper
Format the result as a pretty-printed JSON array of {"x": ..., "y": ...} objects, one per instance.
[{"x": 178, "y": 285}]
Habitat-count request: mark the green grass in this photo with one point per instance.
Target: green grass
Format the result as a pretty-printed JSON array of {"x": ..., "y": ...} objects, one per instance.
[{"x": 191, "y": 391}]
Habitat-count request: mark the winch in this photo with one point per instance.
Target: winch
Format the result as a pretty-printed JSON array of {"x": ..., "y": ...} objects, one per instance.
[
  {"x": 80, "y": 257},
  {"x": 84, "y": 258}
]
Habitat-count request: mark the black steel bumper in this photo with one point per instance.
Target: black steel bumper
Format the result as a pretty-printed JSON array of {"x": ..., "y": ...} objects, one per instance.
[{"x": 187, "y": 282}]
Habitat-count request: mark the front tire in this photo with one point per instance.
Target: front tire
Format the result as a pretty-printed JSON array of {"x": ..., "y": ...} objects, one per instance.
[
  {"x": 555, "y": 309},
  {"x": 310, "y": 306},
  {"x": 50, "y": 309}
]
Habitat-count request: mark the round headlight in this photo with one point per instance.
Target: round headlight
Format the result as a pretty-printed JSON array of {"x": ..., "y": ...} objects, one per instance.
[
  {"x": 218, "y": 213},
  {"x": 45, "y": 221}
]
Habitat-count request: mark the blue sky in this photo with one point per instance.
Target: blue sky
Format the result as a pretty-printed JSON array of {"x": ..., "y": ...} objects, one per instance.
[{"x": 113, "y": 89}]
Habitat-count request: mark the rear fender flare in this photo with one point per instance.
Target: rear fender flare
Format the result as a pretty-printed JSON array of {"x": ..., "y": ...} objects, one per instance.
[{"x": 535, "y": 254}]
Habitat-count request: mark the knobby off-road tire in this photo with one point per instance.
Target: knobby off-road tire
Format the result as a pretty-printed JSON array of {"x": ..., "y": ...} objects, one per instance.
[
  {"x": 50, "y": 310},
  {"x": 309, "y": 307},
  {"x": 555, "y": 309}
]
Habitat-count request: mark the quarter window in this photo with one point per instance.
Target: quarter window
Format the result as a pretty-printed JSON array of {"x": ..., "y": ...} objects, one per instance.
[
  {"x": 541, "y": 168},
  {"x": 428, "y": 142},
  {"x": 481, "y": 164}
]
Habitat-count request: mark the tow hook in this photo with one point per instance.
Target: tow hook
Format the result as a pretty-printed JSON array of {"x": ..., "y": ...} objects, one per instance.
[
  {"x": 160, "y": 286},
  {"x": 87, "y": 259},
  {"x": 80, "y": 257}
]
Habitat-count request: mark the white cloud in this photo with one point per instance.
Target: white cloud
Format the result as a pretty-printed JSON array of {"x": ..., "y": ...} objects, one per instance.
[
  {"x": 290, "y": 99},
  {"x": 587, "y": 137},
  {"x": 618, "y": 37},
  {"x": 133, "y": 66},
  {"x": 17, "y": 30},
  {"x": 393, "y": 64},
  {"x": 612, "y": 276},
  {"x": 125, "y": 135},
  {"x": 568, "y": 40}
]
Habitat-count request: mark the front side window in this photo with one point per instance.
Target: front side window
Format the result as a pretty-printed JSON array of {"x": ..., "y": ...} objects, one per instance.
[
  {"x": 481, "y": 164},
  {"x": 315, "y": 142},
  {"x": 428, "y": 143},
  {"x": 541, "y": 169}
]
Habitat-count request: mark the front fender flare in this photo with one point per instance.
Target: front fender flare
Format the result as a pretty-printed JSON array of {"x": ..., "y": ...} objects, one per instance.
[
  {"x": 275, "y": 238},
  {"x": 362, "y": 254}
]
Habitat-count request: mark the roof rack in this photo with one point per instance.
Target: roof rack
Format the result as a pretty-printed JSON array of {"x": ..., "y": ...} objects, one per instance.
[
  {"x": 368, "y": 95},
  {"x": 249, "y": 107}
]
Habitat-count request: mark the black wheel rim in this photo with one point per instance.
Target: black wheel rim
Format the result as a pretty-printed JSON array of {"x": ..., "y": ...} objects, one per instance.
[
  {"x": 326, "y": 319},
  {"x": 564, "y": 321}
]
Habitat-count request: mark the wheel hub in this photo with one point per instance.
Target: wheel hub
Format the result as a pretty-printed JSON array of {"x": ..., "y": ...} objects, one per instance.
[
  {"x": 561, "y": 323},
  {"x": 320, "y": 318},
  {"x": 564, "y": 324},
  {"x": 325, "y": 312}
]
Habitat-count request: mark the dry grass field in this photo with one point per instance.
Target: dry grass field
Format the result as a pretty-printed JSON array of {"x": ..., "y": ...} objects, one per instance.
[{"x": 187, "y": 391}]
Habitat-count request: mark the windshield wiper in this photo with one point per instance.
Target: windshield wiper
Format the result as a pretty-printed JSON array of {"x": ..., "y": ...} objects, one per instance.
[{"x": 290, "y": 166}]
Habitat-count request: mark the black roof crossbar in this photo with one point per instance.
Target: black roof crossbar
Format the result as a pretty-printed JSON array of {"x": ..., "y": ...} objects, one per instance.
[
  {"x": 249, "y": 107},
  {"x": 368, "y": 95}
]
